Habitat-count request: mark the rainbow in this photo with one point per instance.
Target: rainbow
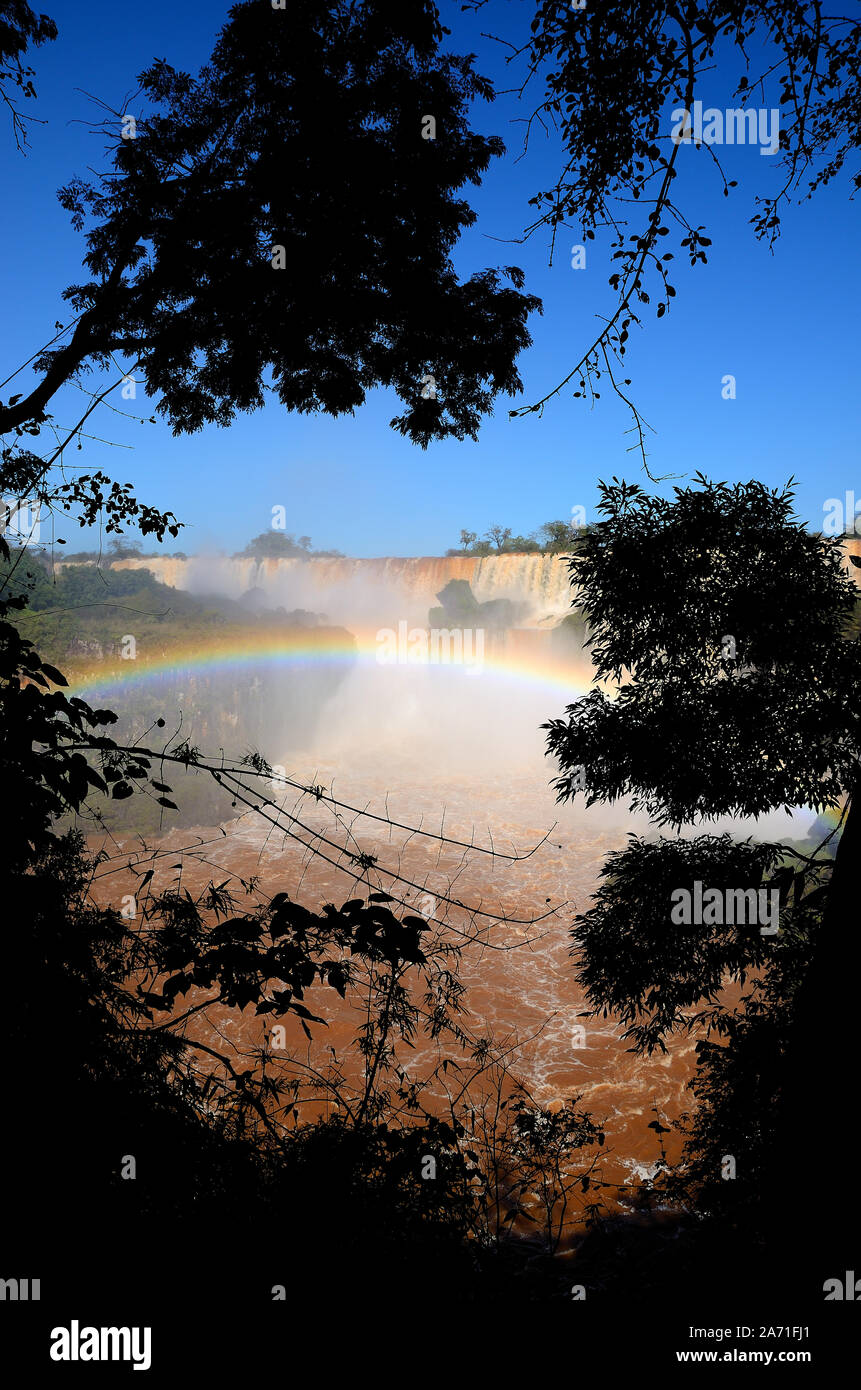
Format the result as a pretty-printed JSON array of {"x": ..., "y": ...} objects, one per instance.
[
  {"x": 830, "y": 818},
  {"x": 526, "y": 657},
  {"x": 521, "y": 655}
]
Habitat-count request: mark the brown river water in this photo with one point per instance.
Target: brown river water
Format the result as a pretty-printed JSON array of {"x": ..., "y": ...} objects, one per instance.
[
  {"x": 520, "y": 977},
  {"x": 458, "y": 752}
]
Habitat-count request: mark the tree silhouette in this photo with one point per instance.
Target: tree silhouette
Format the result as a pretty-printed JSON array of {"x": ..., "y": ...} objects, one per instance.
[
  {"x": 20, "y": 28},
  {"x": 610, "y": 77},
  {"x": 269, "y": 141},
  {"x": 498, "y": 535},
  {"x": 272, "y": 545},
  {"x": 241, "y": 233},
  {"x": 722, "y": 629},
  {"x": 274, "y": 156}
]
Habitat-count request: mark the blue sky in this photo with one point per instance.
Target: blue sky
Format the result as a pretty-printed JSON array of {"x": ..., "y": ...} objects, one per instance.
[{"x": 785, "y": 325}]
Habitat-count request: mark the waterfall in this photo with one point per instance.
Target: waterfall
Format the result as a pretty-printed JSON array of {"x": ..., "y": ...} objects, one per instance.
[
  {"x": 346, "y": 588},
  {"x": 384, "y": 590}
]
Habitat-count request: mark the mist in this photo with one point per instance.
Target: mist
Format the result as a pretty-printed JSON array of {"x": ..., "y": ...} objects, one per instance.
[{"x": 425, "y": 727}]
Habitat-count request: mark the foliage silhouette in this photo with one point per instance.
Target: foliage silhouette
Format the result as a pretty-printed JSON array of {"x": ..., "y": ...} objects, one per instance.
[
  {"x": 203, "y": 181},
  {"x": 698, "y": 727},
  {"x": 607, "y": 79},
  {"x": 20, "y": 27},
  {"x": 270, "y": 147}
]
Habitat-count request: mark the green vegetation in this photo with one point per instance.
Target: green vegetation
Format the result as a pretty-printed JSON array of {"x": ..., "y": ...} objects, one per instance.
[
  {"x": 553, "y": 538},
  {"x": 278, "y": 545},
  {"x": 80, "y": 613}
]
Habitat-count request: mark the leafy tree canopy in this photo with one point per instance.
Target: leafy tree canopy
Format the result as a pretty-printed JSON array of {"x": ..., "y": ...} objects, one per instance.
[
  {"x": 722, "y": 632},
  {"x": 231, "y": 252},
  {"x": 608, "y": 78},
  {"x": 552, "y": 538},
  {"x": 20, "y": 27},
  {"x": 722, "y": 624},
  {"x": 275, "y": 545}
]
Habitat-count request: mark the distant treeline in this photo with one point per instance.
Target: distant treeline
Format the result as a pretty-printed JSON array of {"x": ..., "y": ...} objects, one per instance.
[
  {"x": 553, "y": 538},
  {"x": 269, "y": 545},
  {"x": 277, "y": 545}
]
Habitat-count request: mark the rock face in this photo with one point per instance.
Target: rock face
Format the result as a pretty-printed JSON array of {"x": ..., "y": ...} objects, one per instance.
[
  {"x": 569, "y": 635},
  {"x": 459, "y": 608},
  {"x": 256, "y": 600}
]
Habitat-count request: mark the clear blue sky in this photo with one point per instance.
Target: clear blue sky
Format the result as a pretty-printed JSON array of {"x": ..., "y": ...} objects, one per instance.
[{"x": 785, "y": 325}]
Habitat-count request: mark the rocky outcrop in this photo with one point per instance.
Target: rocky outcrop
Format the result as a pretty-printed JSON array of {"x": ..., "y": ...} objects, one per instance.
[{"x": 459, "y": 608}]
